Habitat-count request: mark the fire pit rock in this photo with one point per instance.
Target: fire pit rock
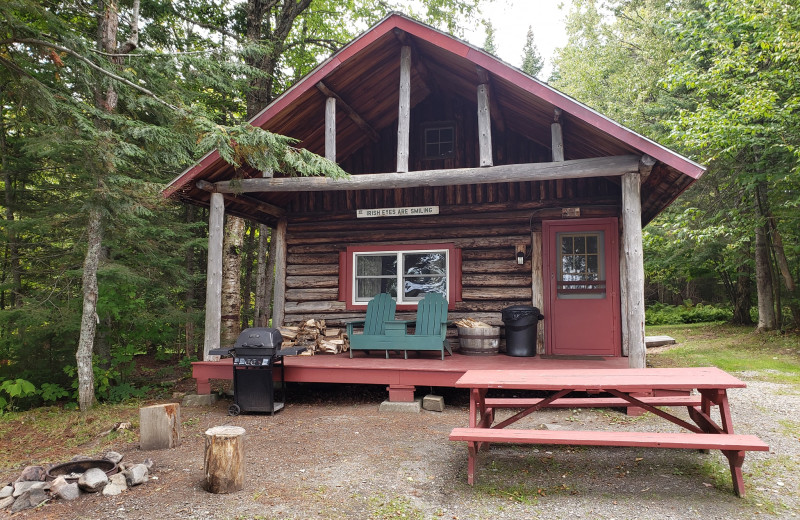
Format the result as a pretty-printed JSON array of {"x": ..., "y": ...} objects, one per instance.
[
  {"x": 93, "y": 480},
  {"x": 72, "y": 470}
]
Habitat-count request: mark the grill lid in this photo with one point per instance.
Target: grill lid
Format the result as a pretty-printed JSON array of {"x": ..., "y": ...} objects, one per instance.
[{"x": 259, "y": 337}]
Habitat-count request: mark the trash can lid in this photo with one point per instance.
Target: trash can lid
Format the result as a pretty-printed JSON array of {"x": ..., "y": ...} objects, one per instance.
[{"x": 516, "y": 312}]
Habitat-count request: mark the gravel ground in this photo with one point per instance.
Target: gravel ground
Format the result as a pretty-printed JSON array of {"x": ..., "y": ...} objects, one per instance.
[{"x": 331, "y": 454}]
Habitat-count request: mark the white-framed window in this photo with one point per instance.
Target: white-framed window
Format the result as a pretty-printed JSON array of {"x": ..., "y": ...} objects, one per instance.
[
  {"x": 406, "y": 275},
  {"x": 405, "y": 271}
]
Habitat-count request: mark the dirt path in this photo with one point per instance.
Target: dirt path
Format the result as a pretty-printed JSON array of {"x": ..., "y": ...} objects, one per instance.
[{"x": 333, "y": 455}]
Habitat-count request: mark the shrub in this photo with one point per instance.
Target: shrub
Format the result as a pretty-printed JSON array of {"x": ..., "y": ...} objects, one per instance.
[{"x": 662, "y": 314}]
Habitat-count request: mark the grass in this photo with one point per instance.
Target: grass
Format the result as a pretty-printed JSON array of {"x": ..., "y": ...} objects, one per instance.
[
  {"x": 383, "y": 508},
  {"x": 775, "y": 357},
  {"x": 49, "y": 434}
]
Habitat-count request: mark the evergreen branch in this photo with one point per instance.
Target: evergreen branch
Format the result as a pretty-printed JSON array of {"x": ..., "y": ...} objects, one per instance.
[
  {"x": 208, "y": 26},
  {"x": 150, "y": 54},
  {"x": 93, "y": 65}
]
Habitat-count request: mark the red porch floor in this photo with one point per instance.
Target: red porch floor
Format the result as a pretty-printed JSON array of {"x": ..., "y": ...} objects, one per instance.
[{"x": 398, "y": 374}]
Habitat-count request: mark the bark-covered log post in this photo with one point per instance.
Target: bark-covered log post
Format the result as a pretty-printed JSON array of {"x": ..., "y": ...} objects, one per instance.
[
  {"x": 160, "y": 426},
  {"x": 223, "y": 461}
]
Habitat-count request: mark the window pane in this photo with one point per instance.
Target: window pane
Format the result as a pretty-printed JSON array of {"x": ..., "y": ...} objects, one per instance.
[
  {"x": 592, "y": 264},
  {"x": 368, "y": 288},
  {"x": 580, "y": 245},
  {"x": 415, "y": 287},
  {"x": 566, "y": 246},
  {"x": 376, "y": 265},
  {"x": 425, "y": 263},
  {"x": 591, "y": 244}
]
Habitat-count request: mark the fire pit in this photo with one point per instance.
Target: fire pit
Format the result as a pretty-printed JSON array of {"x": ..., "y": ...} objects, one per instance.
[{"x": 72, "y": 471}]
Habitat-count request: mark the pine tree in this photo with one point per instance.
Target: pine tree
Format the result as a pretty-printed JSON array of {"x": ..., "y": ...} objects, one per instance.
[{"x": 532, "y": 61}]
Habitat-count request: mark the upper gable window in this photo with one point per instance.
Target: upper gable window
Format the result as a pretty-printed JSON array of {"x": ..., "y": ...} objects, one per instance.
[{"x": 439, "y": 140}]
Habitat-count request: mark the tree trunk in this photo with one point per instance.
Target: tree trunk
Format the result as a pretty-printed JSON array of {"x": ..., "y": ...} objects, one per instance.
[
  {"x": 107, "y": 99},
  {"x": 742, "y": 296},
  {"x": 189, "y": 297},
  {"x": 263, "y": 278},
  {"x": 783, "y": 267},
  {"x": 248, "y": 276},
  {"x": 231, "y": 280},
  {"x": 89, "y": 318},
  {"x": 764, "y": 284},
  {"x": 11, "y": 235}
]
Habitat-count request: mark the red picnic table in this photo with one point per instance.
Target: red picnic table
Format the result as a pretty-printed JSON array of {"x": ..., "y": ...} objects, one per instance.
[{"x": 628, "y": 387}]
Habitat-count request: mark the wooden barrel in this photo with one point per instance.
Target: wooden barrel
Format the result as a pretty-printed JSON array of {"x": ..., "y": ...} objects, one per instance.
[{"x": 479, "y": 341}]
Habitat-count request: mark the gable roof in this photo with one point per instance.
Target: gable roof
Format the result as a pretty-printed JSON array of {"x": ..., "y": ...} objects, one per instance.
[{"x": 365, "y": 74}]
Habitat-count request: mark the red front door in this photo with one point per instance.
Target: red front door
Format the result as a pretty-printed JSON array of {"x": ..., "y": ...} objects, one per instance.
[{"x": 581, "y": 271}]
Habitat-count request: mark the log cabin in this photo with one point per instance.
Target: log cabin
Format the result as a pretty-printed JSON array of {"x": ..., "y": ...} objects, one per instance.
[{"x": 467, "y": 177}]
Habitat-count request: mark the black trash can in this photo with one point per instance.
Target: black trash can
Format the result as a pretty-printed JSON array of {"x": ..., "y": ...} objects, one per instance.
[{"x": 521, "y": 322}]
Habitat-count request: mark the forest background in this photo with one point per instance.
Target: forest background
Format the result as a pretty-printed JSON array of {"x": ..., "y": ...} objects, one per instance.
[{"x": 102, "y": 103}]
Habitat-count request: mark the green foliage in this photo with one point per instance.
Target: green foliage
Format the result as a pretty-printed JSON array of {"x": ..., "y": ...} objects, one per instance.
[
  {"x": 532, "y": 61},
  {"x": 14, "y": 389},
  {"x": 662, "y": 314}
]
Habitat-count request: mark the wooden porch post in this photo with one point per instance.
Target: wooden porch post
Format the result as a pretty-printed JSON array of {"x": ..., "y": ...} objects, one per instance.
[
  {"x": 634, "y": 268},
  {"x": 330, "y": 129},
  {"x": 216, "y": 220},
  {"x": 484, "y": 126},
  {"x": 279, "y": 305},
  {"x": 404, "y": 110},
  {"x": 557, "y": 137}
]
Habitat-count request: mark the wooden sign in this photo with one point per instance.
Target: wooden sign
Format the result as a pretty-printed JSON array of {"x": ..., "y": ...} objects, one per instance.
[
  {"x": 416, "y": 211},
  {"x": 570, "y": 212}
]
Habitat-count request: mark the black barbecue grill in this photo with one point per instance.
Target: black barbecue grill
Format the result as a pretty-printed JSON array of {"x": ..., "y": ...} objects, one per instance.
[{"x": 256, "y": 352}]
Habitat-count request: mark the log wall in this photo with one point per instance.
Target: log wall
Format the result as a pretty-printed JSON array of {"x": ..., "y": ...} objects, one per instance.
[{"x": 485, "y": 222}]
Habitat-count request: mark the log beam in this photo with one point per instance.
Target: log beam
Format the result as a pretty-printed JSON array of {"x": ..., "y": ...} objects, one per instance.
[
  {"x": 404, "y": 110},
  {"x": 634, "y": 267},
  {"x": 497, "y": 113},
  {"x": 557, "y": 137},
  {"x": 261, "y": 206},
  {"x": 279, "y": 305},
  {"x": 484, "y": 126},
  {"x": 614, "y": 166},
  {"x": 216, "y": 221},
  {"x": 330, "y": 129},
  {"x": 351, "y": 112}
]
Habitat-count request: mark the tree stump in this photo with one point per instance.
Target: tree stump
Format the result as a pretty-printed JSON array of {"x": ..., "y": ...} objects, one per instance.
[
  {"x": 223, "y": 462},
  {"x": 160, "y": 426}
]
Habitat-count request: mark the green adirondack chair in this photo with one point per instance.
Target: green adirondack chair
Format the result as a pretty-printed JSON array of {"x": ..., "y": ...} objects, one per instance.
[
  {"x": 429, "y": 331},
  {"x": 380, "y": 310}
]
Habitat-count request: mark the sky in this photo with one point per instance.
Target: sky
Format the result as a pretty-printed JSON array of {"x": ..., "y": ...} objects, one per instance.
[{"x": 511, "y": 19}]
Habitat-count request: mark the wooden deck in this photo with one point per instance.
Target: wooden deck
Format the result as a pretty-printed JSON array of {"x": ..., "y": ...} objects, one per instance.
[{"x": 400, "y": 375}]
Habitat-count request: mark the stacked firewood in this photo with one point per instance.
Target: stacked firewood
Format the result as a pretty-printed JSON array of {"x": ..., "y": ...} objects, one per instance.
[{"x": 316, "y": 337}]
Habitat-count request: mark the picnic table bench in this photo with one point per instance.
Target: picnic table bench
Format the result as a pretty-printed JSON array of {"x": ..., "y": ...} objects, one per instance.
[{"x": 628, "y": 387}]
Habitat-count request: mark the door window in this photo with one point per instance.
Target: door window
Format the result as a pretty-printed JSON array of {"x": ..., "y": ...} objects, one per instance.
[{"x": 581, "y": 265}]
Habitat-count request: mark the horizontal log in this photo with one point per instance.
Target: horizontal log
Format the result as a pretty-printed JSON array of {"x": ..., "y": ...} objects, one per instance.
[
  {"x": 339, "y": 319},
  {"x": 487, "y": 306},
  {"x": 580, "y": 168},
  {"x": 496, "y": 280},
  {"x": 444, "y": 233},
  {"x": 464, "y": 243},
  {"x": 312, "y": 307},
  {"x": 497, "y": 293},
  {"x": 515, "y": 218},
  {"x": 325, "y": 258},
  {"x": 541, "y": 209},
  {"x": 298, "y": 282},
  {"x": 313, "y": 269},
  {"x": 503, "y": 253},
  {"x": 311, "y": 294},
  {"x": 496, "y": 266}
]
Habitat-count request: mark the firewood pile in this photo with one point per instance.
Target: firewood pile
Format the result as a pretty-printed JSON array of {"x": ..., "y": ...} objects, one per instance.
[
  {"x": 316, "y": 337},
  {"x": 472, "y": 324}
]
